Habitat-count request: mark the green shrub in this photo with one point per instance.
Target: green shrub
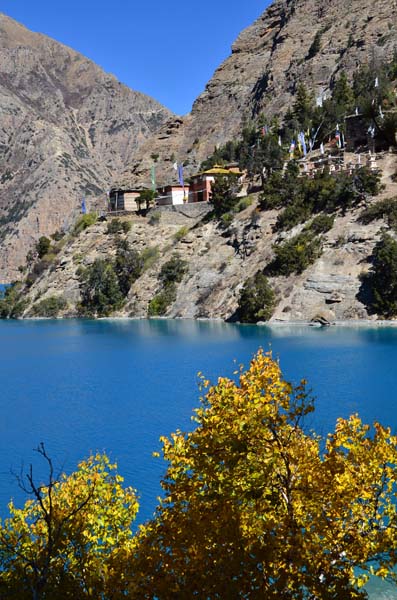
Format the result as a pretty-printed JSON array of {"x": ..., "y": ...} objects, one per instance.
[
  {"x": 99, "y": 288},
  {"x": 58, "y": 236},
  {"x": 49, "y": 307},
  {"x": 154, "y": 217},
  {"x": 379, "y": 289},
  {"x": 43, "y": 246},
  {"x": 257, "y": 300},
  {"x": 291, "y": 216},
  {"x": 128, "y": 266},
  {"x": 126, "y": 226},
  {"x": 19, "y": 308},
  {"x": 78, "y": 257},
  {"x": 12, "y": 305},
  {"x": 159, "y": 304},
  {"x": 301, "y": 196},
  {"x": 295, "y": 254},
  {"x": 173, "y": 270},
  {"x": 181, "y": 233},
  {"x": 315, "y": 46},
  {"x": 42, "y": 265},
  {"x": 385, "y": 209},
  {"x": 84, "y": 222},
  {"x": 226, "y": 219},
  {"x": 115, "y": 226},
  {"x": 320, "y": 224},
  {"x": 244, "y": 203},
  {"x": 223, "y": 195},
  {"x": 150, "y": 256}
]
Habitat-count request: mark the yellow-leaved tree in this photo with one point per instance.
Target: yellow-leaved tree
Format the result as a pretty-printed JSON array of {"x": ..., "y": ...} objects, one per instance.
[
  {"x": 70, "y": 540},
  {"x": 257, "y": 506}
]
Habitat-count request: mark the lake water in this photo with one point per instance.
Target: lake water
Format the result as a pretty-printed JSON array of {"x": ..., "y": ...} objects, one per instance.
[{"x": 81, "y": 386}]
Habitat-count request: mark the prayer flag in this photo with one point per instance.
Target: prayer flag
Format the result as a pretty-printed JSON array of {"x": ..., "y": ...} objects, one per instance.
[
  {"x": 180, "y": 175},
  {"x": 153, "y": 177},
  {"x": 337, "y": 136},
  {"x": 382, "y": 116},
  {"x": 279, "y": 140},
  {"x": 292, "y": 149},
  {"x": 303, "y": 142},
  {"x": 376, "y": 82},
  {"x": 356, "y": 110},
  {"x": 175, "y": 166},
  {"x": 322, "y": 148}
]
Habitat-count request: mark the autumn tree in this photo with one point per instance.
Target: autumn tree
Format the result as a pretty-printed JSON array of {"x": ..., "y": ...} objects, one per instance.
[
  {"x": 68, "y": 539},
  {"x": 257, "y": 506}
]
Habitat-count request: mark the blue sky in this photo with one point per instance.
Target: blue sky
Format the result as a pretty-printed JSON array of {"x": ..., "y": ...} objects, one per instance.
[{"x": 168, "y": 50}]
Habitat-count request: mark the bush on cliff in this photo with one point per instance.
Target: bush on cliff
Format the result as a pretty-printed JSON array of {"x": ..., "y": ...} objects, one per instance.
[
  {"x": 381, "y": 281},
  {"x": 256, "y": 301},
  {"x": 295, "y": 255}
]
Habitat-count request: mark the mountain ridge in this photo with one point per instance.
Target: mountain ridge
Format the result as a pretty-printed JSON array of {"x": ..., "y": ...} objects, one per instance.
[
  {"x": 66, "y": 129},
  {"x": 267, "y": 61}
]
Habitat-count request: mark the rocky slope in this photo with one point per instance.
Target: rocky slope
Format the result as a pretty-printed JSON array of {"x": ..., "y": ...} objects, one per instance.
[
  {"x": 268, "y": 59},
  {"x": 67, "y": 129},
  {"x": 220, "y": 261}
]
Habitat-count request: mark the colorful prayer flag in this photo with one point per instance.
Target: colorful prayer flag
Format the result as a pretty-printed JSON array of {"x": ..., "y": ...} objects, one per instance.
[
  {"x": 303, "y": 143},
  {"x": 337, "y": 136}
]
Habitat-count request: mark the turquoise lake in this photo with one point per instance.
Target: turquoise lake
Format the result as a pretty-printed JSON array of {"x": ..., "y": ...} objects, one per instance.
[{"x": 81, "y": 386}]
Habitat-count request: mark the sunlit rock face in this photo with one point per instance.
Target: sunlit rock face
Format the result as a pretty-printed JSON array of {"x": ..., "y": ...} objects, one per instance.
[
  {"x": 67, "y": 129},
  {"x": 267, "y": 61}
]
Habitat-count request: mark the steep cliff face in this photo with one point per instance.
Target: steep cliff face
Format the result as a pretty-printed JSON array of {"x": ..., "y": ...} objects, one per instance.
[
  {"x": 220, "y": 260},
  {"x": 66, "y": 130},
  {"x": 268, "y": 59}
]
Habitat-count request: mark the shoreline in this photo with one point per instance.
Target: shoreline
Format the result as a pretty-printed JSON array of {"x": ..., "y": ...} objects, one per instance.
[{"x": 271, "y": 324}]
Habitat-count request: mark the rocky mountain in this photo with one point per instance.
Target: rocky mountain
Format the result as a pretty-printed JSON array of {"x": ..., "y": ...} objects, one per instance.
[
  {"x": 67, "y": 129},
  {"x": 219, "y": 260},
  {"x": 309, "y": 41}
]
